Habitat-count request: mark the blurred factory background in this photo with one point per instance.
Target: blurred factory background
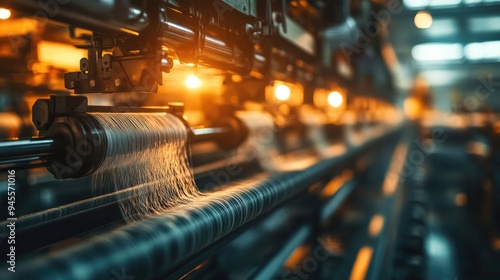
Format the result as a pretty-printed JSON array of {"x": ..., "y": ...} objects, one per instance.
[{"x": 327, "y": 139}]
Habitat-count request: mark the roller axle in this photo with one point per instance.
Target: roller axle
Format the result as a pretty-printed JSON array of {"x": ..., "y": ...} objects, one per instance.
[{"x": 72, "y": 142}]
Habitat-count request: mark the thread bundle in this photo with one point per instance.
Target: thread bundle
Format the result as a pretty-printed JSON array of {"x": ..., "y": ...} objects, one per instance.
[{"x": 147, "y": 153}]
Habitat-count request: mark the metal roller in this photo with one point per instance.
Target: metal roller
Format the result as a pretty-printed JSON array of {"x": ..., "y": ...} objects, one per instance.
[
  {"x": 153, "y": 247},
  {"x": 72, "y": 142}
]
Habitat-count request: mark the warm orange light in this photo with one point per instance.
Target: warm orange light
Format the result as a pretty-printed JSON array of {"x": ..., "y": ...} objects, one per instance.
[
  {"x": 58, "y": 55},
  {"x": 132, "y": 32},
  {"x": 192, "y": 82},
  {"x": 334, "y": 185},
  {"x": 4, "y": 13},
  {"x": 461, "y": 199},
  {"x": 282, "y": 92},
  {"x": 423, "y": 20},
  {"x": 496, "y": 127},
  {"x": 376, "y": 225},
  {"x": 362, "y": 263},
  {"x": 335, "y": 99},
  {"x": 297, "y": 257},
  {"x": 412, "y": 108},
  {"x": 496, "y": 244},
  {"x": 391, "y": 181}
]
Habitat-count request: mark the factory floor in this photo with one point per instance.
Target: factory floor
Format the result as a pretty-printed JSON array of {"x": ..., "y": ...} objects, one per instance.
[
  {"x": 452, "y": 184},
  {"x": 460, "y": 242}
]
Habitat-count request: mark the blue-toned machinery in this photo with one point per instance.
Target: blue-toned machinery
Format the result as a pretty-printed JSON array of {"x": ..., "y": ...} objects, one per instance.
[{"x": 287, "y": 121}]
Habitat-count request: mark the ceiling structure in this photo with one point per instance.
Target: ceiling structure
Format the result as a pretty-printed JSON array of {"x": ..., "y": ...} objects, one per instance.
[{"x": 459, "y": 51}]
